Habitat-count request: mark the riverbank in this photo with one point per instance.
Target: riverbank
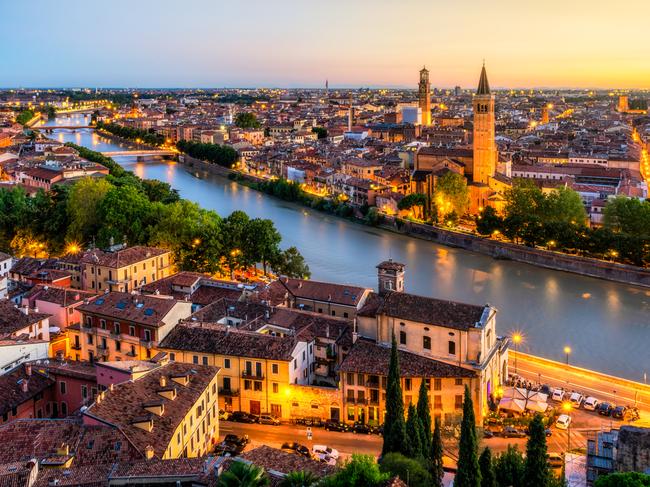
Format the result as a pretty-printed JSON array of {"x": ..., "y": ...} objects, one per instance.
[{"x": 496, "y": 249}]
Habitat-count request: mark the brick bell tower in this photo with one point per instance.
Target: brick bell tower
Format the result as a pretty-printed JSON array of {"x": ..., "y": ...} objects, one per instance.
[
  {"x": 424, "y": 96},
  {"x": 484, "y": 146}
]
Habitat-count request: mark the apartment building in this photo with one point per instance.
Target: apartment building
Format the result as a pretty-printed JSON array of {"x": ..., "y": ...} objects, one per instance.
[{"x": 122, "y": 326}]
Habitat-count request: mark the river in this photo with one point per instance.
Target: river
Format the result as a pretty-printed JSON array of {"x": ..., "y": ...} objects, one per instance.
[{"x": 606, "y": 324}]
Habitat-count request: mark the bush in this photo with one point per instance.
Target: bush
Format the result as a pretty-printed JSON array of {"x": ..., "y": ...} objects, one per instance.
[{"x": 409, "y": 470}]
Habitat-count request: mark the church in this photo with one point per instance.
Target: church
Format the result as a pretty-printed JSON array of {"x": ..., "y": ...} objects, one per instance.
[{"x": 478, "y": 164}]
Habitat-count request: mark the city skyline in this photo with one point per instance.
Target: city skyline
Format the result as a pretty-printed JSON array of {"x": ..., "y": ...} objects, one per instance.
[{"x": 292, "y": 45}]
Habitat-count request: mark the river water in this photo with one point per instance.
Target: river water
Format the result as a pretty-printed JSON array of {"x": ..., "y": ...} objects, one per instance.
[{"x": 606, "y": 324}]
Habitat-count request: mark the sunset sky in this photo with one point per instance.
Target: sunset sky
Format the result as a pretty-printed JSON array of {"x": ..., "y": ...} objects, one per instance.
[{"x": 300, "y": 43}]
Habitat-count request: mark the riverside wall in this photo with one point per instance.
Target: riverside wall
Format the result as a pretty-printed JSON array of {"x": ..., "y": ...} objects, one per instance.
[{"x": 586, "y": 266}]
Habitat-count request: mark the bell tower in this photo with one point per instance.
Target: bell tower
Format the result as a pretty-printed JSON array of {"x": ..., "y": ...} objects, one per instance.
[
  {"x": 424, "y": 96},
  {"x": 484, "y": 147},
  {"x": 390, "y": 276}
]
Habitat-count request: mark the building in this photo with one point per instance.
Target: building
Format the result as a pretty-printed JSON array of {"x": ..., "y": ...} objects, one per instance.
[
  {"x": 424, "y": 96},
  {"x": 24, "y": 394},
  {"x": 458, "y": 334},
  {"x": 5, "y": 265},
  {"x": 123, "y": 270},
  {"x": 626, "y": 449},
  {"x": 121, "y": 326},
  {"x": 169, "y": 412},
  {"x": 601, "y": 453},
  {"x": 623, "y": 103},
  {"x": 23, "y": 322}
]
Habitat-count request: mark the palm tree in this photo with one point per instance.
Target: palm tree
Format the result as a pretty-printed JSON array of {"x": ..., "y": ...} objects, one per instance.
[
  {"x": 299, "y": 479},
  {"x": 241, "y": 474}
]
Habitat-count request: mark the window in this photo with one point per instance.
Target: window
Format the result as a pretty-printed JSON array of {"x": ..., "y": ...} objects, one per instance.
[
  {"x": 90, "y": 339},
  {"x": 437, "y": 402},
  {"x": 226, "y": 383},
  {"x": 333, "y": 313},
  {"x": 247, "y": 385},
  {"x": 257, "y": 385},
  {"x": 437, "y": 384},
  {"x": 147, "y": 335},
  {"x": 84, "y": 391},
  {"x": 102, "y": 324},
  {"x": 407, "y": 384},
  {"x": 402, "y": 337},
  {"x": 133, "y": 350},
  {"x": 195, "y": 359},
  {"x": 132, "y": 331},
  {"x": 64, "y": 409},
  {"x": 226, "y": 363},
  {"x": 350, "y": 379},
  {"x": 275, "y": 368},
  {"x": 360, "y": 380},
  {"x": 62, "y": 387},
  {"x": 345, "y": 314},
  {"x": 116, "y": 328},
  {"x": 276, "y": 388},
  {"x": 458, "y": 401},
  {"x": 459, "y": 382},
  {"x": 172, "y": 356},
  {"x": 205, "y": 361},
  {"x": 303, "y": 355},
  {"x": 452, "y": 348},
  {"x": 426, "y": 342},
  {"x": 89, "y": 322},
  {"x": 118, "y": 346}
]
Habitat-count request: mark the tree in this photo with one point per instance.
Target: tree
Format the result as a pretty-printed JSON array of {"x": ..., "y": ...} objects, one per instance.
[
  {"x": 359, "y": 471},
  {"x": 290, "y": 263},
  {"x": 565, "y": 205},
  {"x": 524, "y": 199},
  {"x": 488, "y": 221},
  {"x": 242, "y": 474},
  {"x": 451, "y": 194},
  {"x": 509, "y": 468},
  {"x": 247, "y": 120},
  {"x": 24, "y": 117},
  {"x": 414, "y": 434},
  {"x": 260, "y": 241},
  {"x": 409, "y": 470},
  {"x": 83, "y": 203},
  {"x": 424, "y": 415},
  {"x": 628, "y": 215},
  {"x": 321, "y": 131},
  {"x": 50, "y": 111},
  {"x": 488, "y": 478},
  {"x": 394, "y": 427},
  {"x": 623, "y": 479},
  {"x": 299, "y": 479},
  {"x": 435, "y": 456},
  {"x": 536, "y": 470},
  {"x": 468, "y": 473}
]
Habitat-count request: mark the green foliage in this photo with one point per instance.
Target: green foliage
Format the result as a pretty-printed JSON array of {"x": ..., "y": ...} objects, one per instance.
[
  {"x": 488, "y": 478},
  {"x": 247, "y": 120},
  {"x": 628, "y": 215},
  {"x": 411, "y": 200},
  {"x": 146, "y": 136},
  {"x": 451, "y": 194},
  {"x": 50, "y": 111},
  {"x": 159, "y": 191},
  {"x": 299, "y": 479},
  {"x": 373, "y": 217},
  {"x": 221, "y": 155},
  {"x": 321, "y": 131},
  {"x": 488, "y": 221},
  {"x": 24, "y": 117},
  {"x": 436, "y": 455},
  {"x": 414, "y": 434},
  {"x": 242, "y": 474},
  {"x": 409, "y": 470},
  {"x": 394, "y": 427},
  {"x": 509, "y": 468},
  {"x": 82, "y": 207},
  {"x": 537, "y": 471},
  {"x": 290, "y": 263},
  {"x": 623, "y": 479},
  {"x": 283, "y": 189},
  {"x": 424, "y": 415},
  {"x": 359, "y": 471},
  {"x": 468, "y": 473}
]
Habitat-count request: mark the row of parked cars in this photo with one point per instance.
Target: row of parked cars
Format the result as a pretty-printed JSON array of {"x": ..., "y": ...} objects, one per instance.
[
  {"x": 322, "y": 453},
  {"x": 244, "y": 417},
  {"x": 591, "y": 403}
]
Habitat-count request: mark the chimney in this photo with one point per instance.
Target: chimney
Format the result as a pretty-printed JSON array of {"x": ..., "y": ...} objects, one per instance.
[
  {"x": 327, "y": 331},
  {"x": 110, "y": 387},
  {"x": 148, "y": 452},
  {"x": 35, "y": 309},
  {"x": 163, "y": 381},
  {"x": 24, "y": 385},
  {"x": 28, "y": 369}
]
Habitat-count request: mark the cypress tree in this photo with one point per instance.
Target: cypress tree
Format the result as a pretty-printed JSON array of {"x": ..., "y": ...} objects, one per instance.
[
  {"x": 537, "y": 471},
  {"x": 413, "y": 434},
  {"x": 468, "y": 473},
  {"x": 435, "y": 455},
  {"x": 424, "y": 415},
  {"x": 394, "y": 427},
  {"x": 488, "y": 477}
]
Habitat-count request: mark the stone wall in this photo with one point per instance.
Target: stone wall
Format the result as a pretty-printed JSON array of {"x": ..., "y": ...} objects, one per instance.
[{"x": 633, "y": 449}]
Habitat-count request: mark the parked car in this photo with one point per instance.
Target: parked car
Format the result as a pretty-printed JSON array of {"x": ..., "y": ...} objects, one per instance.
[
  {"x": 232, "y": 445},
  {"x": 512, "y": 432},
  {"x": 362, "y": 428},
  {"x": 487, "y": 434},
  {"x": 558, "y": 394},
  {"x": 590, "y": 404},
  {"x": 548, "y": 432},
  {"x": 563, "y": 422},
  {"x": 309, "y": 421},
  {"x": 576, "y": 399},
  {"x": 336, "y": 426},
  {"x": 243, "y": 417},
  {"x": 605, "y": 409},
  {"x": 268, "y": 419},
  {"x": 545, "y": 389},
  {"x": 324, "y": 449},
  {"x": 619, "y": 412},
  {"x": 555, "y": 460},
  {"x": 224, "y": 415},
  {"x": 296, "y": 448}
]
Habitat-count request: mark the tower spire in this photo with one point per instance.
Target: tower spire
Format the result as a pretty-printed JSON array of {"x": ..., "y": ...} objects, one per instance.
[{"x": 483, "y": 85}]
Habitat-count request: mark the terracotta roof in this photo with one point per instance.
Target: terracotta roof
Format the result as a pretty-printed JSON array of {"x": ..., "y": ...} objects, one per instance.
[
  {"x": 57, "y": 295},
  {"x": 28, "y": 265},
  {"x": 79, "y": 370},
  {"x": 274, "y": 459},
  {"x": 144, "y": 309},
  {"x": 422, "y": 309},
  {"x": 13, "y": 319},
  {"x": 121, "y": 258},
  {"x": 391, "y": 265},
  {"x": 368, "y": 357},
  {"x": 122, "y": 406},
  {"x": 324, "y": 291},
  {"x": 208, "y": 291},
  {"x": 224, "y": 340},
  {"x": 11, "y": 387}
]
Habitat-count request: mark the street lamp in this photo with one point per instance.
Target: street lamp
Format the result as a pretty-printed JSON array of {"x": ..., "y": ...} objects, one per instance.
[
  {"x": 567, "y": 408},
  {"x": 516, "y": 339},
  {"x": 567, "y": 351}
]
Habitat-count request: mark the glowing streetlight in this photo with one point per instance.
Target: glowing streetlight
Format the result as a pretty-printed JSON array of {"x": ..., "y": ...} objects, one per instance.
[
  {"x": 567, "y": 351},
  {"x": 567, "y": 407},
  {"x": 72, "y": 248},
  {"x": 516, "y": 339}
]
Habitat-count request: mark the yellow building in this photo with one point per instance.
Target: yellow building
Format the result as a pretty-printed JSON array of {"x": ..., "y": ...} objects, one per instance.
[
  {"x": 123, "y": 270},
  {"x": 170, "y": 412}
]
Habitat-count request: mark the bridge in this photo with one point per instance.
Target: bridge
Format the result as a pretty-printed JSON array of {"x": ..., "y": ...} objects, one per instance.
[
  {"x": 49, "y": 128},
  {"x": 140, "y": 153}
]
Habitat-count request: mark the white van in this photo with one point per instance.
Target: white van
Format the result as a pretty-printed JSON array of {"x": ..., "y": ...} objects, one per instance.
[
  {"x": 591, "y": 403},
  {"x": 576, "y": 399},
  {"x": 563, "y": 422},
  {"x": 557, "y": 394}
]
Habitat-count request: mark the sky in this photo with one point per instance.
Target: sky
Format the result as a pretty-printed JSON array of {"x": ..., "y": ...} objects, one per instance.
[{"x": 301, "y": 43}]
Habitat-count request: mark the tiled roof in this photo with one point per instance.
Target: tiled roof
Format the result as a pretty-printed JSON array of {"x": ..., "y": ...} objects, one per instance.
[
  {"x": 324, "y": 291},
  {"x": 194, "y": 467},
  {"x": 79, "y": 370},
  {"x": 124, "y": 404},
  {"x": 274, "y": 459},
  {"x": 421, "y": 309},
  {"x": 224, "y": 340},
  {"x": 121, "y": 258},
  {"x": 368, "y": 357},
  {"x": 57, "y": 295},
  {"x": 144, "y": 309},
  {"x": 11, "y": 388},
  {"x": 13, "y": 319},
  {"x": 28, "y": 265}
]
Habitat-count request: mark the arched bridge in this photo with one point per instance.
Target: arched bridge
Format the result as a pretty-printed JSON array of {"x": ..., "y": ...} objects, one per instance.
[{"x": 139, "y": 153}]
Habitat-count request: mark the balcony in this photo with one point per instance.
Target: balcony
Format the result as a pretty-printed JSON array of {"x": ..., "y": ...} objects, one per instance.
[
  {"x": 76, "y": 346},
  {"x": 115, "y": 334},
  {"x": 251, "y": 375},
  {"x": 147, "y": 343},
  {"x": 228, "y": 392},
  {"x": 373, "y": 402},
  {"x": 131, "y": 354},
  {"x": 372, "y": 383}
]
